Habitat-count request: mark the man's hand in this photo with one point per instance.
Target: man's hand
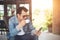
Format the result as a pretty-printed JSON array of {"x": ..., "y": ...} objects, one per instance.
[
  {"x": 37, "y": 33},
  {"x": 21, "y": 24}
]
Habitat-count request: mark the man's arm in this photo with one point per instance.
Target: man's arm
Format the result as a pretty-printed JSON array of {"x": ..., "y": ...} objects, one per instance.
[
  {"x": 33, "y": 31},
  {"x": 13, "y": 30}
]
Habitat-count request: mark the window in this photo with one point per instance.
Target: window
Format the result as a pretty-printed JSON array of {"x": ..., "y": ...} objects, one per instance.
[
  {"x": 10, "y": 8},
  {"x": 1, "y": 12},
  {"x": 42, "y": 11}
]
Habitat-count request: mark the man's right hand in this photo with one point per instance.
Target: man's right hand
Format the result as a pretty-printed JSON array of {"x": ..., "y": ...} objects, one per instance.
[{"x": 21, "y": 24}]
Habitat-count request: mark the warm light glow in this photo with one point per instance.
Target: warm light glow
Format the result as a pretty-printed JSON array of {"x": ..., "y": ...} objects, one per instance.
[
  {"x": 39, "y": 12},
  {"x": 41, "y": 4}
]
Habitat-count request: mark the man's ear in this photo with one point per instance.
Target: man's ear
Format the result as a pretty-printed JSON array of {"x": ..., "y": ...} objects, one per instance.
[{"x": 17, "y": 15}]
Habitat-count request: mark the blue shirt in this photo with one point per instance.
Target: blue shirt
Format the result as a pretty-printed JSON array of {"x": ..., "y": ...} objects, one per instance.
[{"x": 13, "y": 22}]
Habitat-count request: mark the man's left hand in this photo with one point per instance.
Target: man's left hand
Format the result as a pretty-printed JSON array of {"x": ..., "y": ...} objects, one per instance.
[{"x": 37, "y": 33}]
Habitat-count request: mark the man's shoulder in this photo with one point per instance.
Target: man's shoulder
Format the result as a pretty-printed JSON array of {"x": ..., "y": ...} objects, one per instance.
[{"x": 13, "y": 18}]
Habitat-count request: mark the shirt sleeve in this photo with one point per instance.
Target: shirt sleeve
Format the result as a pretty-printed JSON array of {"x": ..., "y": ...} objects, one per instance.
[
  {"x": 12, "y": 28},
  {"x": 31, "y": 28}
]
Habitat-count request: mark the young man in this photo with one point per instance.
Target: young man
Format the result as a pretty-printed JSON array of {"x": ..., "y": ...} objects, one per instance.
[{"x": 20, "y": 27}]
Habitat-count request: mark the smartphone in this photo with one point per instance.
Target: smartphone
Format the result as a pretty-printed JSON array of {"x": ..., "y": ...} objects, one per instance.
[{"x": 40, "y": 29}]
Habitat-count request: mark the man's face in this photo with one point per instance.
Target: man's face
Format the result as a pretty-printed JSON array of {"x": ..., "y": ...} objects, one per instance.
[{"x": 23, "y": 15}]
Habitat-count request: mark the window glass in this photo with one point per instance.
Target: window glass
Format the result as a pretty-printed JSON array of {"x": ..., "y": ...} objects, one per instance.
[{"x": 1, "y": 12}]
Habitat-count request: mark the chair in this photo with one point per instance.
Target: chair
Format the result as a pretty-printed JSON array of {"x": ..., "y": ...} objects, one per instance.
[{"x": 3, "y": 28}]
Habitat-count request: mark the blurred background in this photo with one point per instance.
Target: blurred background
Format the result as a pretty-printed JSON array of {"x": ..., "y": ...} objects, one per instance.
[{"x": 42, "y": 13}]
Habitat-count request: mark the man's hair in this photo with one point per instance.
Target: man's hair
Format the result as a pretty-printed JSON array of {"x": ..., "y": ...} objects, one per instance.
[{"x": 19, "y": 10}]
